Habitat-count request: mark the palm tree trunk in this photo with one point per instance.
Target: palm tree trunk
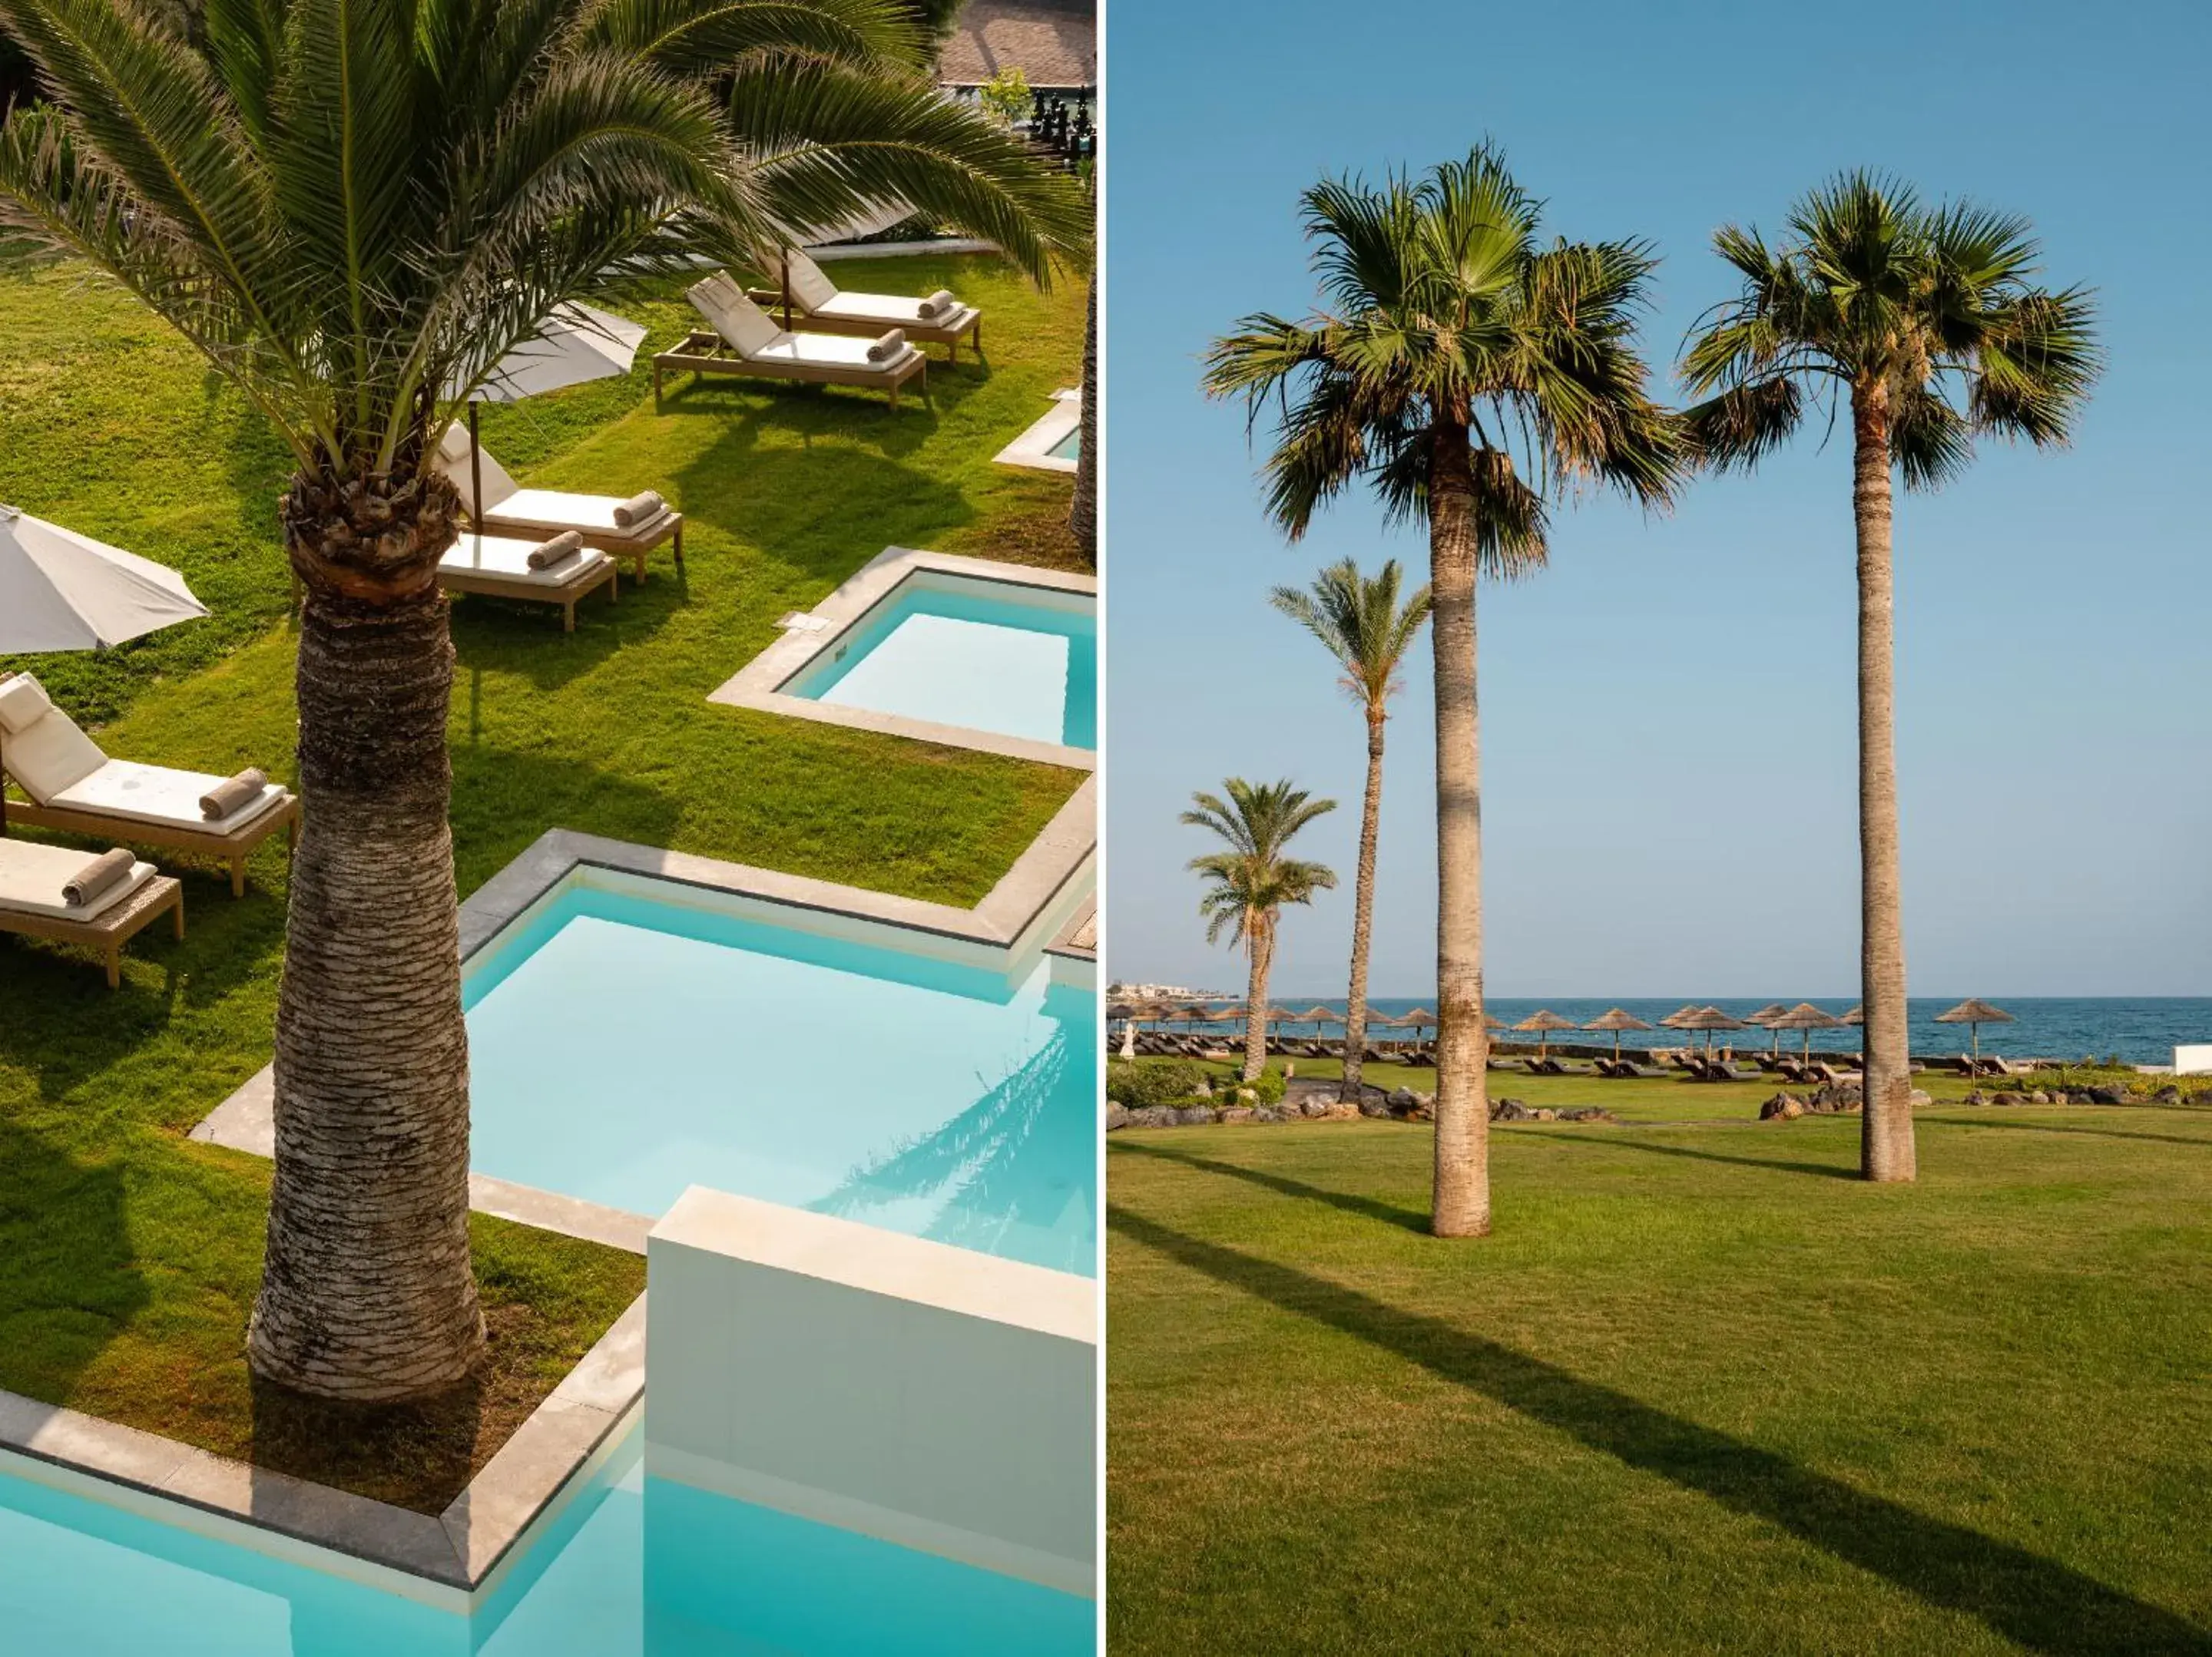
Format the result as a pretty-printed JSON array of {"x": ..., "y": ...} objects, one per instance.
[
  {"x": 1886, "y": 1143},
  {"x": 1082, "y": 513},
  {"x": 368, "y": 1293},
  {"x": 1362, "y": 910},
  {"x": 1461, "y": 1199},
  {"x": 1256, "y": 999}
]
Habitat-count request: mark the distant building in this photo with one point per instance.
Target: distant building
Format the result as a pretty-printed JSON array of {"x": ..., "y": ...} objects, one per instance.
[{"x": 1055, "y": 44}]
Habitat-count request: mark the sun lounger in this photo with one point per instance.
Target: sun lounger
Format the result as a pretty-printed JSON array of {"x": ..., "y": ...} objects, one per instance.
[
  {"x": 538, "y": 514},
  {"x": 33, "y": 903},
  {"x": 1830, "y": 1074},
  {"x": 499, "y": 567},
  {"x": 827, "y": 310},
  {"x": 76, "y": 787},
  {"x": 745, "y": 342},
  {"x": 1727, "y": 1070},
  {"x": 1628, "y": 1069}
]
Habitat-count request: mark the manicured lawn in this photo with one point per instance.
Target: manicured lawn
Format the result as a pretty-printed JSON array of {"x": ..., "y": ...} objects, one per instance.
[
  {"x": 129, "y": 1257},
  {"x": 1701, "y": 1390}
]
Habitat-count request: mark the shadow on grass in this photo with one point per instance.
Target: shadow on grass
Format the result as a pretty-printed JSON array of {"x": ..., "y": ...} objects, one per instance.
[
  {"x": 72, "y": 1279},
  {"x": 504, "y": 797},
  {"x": 412, "y": 1455},
  {"x": 2039, "y": 1603},
  {"x": 1771, "y": 1164},
  {"x": 508, "y": 635},
  {"x": 1367, "y": 1208},
  {"x": 2089, "y": 1132}
]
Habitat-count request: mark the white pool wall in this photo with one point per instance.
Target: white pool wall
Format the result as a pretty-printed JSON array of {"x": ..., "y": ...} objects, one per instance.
[{"x": 929, "y": 1396}]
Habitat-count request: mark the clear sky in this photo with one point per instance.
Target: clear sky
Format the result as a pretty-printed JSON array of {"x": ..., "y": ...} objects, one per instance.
[{"x": 1668, "y": 764}]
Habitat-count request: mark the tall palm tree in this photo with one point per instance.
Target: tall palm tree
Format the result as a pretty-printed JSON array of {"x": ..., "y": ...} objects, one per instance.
[
  {"x": 354, "y": 211},
  {"x": 1250, "y": 882},
  {"x": 1362, "y": 624},
  {"x": 1083, "y": 510},
  {"x": 1929, "y": 320},
  {"x": 1468, "y": 374}
]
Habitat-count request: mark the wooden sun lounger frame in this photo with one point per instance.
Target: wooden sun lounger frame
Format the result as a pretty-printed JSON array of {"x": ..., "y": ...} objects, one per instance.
[
  {"x": 922, "y": 333},
  {"x": 491, "y": 584},
  {"x": 233, "y": 848},
  {"x": 111, "y": 928},
  {"x": 704, "y": 352}
]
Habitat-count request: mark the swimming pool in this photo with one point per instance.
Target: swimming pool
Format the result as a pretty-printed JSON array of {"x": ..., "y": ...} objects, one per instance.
[
  {"x": 1053, "y": 440},
  {"x": 634, "y": 1564},
  {"x": 629, "y": 1038},
  {"x": 1069, "y": 447},
  {"x": 981, "y": 655}
]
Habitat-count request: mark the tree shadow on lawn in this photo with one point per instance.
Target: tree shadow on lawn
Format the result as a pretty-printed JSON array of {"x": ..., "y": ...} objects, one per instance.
[
  {"x": 505, "y": 635},
  {"x": 504, "y": 799},
  {"x": 72, "y": 1278},
  {"x": 2039, "y": 1603},
  {"x": 810, "y": 411},
  {"x": 2087, "y": 1132},
  {"x": 1770, "y": 1164},
  {"x": 1368, "y": 1208}
]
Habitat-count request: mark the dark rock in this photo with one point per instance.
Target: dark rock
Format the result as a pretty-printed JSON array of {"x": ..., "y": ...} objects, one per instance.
[
  {"x": 1511, "y": 1110},
  {"x": 1116, "y": 1117},
  {"x": 1369, "y": 1105},
  {"x": 1196, "y": 1116},
  {"x": 1546, "y": 1113},
  {"x": 1978, "y": 1097},
  {"x": 1266, "y": 1114},
  {"x": 1153, "y": 1116},
  {"x": 1238, "y": 1114},
  {"x": 1317, "y": 1108},
  {"x": 1400, "y": 1099},
  {"x": 1588, "y": 1114},
  {"x": 1836, "y": 1099},
  {"x": 1783, "y": 1106},
  {"x": 2039, "y": 1097},
  {"x": 2168, "y": 1094},
  {"x": 2108, "y": 1095},
  {"x": 2007, "y": 1096}
]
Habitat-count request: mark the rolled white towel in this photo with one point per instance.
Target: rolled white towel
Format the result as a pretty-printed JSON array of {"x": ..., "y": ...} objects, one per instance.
[
  {"x": 233, "y": 792},
  {"x": 939, "y": 303},
  {"x": 558, "y": 550},
  {"x": 889, "y": 347},
  {"x": 104, "y": 873},
  {"x": 644, "y": 505}
]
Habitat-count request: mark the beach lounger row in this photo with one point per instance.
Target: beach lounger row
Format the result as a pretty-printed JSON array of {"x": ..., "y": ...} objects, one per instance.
[
  {"x": 74, "y": 787},
  {"x": 936, "y": 319},
  {"x": 744, "y": 342},
  {"x": 625, "y": 530}
]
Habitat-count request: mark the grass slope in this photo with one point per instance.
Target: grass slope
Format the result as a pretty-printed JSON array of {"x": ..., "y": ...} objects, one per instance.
[
  {"x": 128, "y": 1256},
  {"x": 1702, "y": 1391}
]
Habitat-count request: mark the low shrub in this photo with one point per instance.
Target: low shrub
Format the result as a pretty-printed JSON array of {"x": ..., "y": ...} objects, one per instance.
[{"x": 1135, "y": 1085}]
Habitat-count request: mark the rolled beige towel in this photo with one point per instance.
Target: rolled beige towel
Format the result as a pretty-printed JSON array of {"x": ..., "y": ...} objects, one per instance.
[
  {"x": 232, "y": 793},
  {"x": 889, "y": 347},
  {"x": 645, "y": 504},
  {"x": 939, "y": 303},
  {"x": 561, "y": 548},
  {"x": 98, "y": 877}
]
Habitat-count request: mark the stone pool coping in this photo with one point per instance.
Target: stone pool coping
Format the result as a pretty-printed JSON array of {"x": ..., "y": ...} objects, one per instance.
[
  {"x": 757, "y": 685},
  {"x": 1033, "y": 448},
  {"x": 448, "y": 1559}
]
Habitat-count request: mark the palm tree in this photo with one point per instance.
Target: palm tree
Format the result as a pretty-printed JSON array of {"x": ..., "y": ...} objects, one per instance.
[
  {"x": 1083, "y": 511},
  {"x": 1363, "y": 625},
  {"x": 1929, "y": 320},
  {"x": 1466, "y": 374},
  {"x": 1251, "y": 882},
  {"x": 354, "y": 211}
]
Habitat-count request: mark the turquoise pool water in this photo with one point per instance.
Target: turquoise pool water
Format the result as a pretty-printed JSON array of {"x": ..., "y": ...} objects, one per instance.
[
  {"x": 624, "y": 1047},
  {"x": 979, "y": 655},
  {"x": 1068, "y": 447},
  {"x": 637, "y": 1566}
]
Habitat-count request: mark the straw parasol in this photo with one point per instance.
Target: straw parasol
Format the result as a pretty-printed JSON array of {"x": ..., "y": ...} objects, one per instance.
[
  {"x": 1316, "y": 1015},
  {"x": 1764, "y": 1018},
  {"x": 1707, "y": 1019},
  {"x": 1617, "y": 1019},
  {"x": 1807, "y": 1017},
  {"x": 1974, "y": 1013},
  {"x": 1544, "y": 1023}
]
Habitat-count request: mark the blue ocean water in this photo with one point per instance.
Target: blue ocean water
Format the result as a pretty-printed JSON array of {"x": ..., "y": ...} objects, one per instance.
[
  {"x": 637, "y": 1566},
  {"x": 624, "y": 1048},
  {"x": 2142, "y": 1031},
  {"x": 978, "y": 660}
]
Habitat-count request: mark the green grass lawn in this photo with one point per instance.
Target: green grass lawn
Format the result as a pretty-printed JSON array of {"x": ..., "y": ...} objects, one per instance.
[
  {"x": 129, "y": 1257},
  {"x": 1701, "y": 1392}
]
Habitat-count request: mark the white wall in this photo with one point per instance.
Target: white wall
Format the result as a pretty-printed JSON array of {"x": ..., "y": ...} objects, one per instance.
[
  {"x": 2193, "y": 1061},
  {"x": 932, "y": 1396}
]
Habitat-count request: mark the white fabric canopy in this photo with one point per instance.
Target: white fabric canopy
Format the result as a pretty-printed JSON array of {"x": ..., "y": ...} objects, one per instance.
[
  {"x": 576, "y": 342},
  {"x": 63, "y": 591}
]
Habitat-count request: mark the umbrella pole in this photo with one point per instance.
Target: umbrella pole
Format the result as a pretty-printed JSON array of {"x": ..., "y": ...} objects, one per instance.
[
  {"x": 475, "y": 480},
  {"x": 786, "y": 262}
]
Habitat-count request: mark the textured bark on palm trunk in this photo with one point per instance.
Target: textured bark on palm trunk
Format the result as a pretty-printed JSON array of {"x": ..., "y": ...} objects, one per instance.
[
  {"x": 1362, "y": 911},
  {"x": 1461, "y": 1200},
  {"x": 1262, "y": 938},
  {"x": 368, "y": 1293},
  {"x": 1083, "y": 511},
  {"x": 1885, "y": 1139}
]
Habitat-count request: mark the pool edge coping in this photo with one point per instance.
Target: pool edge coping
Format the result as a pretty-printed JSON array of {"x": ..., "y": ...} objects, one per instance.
[
  {"x": 450, "y": 1559},
  {"x": 1032, "y": 450},
  {"x": 756, "y": 686}
]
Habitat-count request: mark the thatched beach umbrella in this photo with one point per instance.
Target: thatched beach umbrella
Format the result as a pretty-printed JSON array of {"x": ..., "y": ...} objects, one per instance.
[
  {"x": 1544, "y": 1023},
  {"x": 1617, "y": 1019},
  {"x": 1974, "y": 1013},
  {"x": 1707, "y": 1019},
  {"x": 1807, "y": 1017},
  {"x": 1316, "y": 1015}
]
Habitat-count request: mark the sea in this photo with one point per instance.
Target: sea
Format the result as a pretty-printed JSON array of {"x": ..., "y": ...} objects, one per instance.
[{"x": 2137, "y": 1030}]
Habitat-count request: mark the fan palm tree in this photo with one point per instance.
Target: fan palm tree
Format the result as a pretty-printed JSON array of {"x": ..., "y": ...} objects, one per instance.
[
  {"x": 1468, "y": 375},
  {"x": 1929, "y": 320},
  {"x": 354, "y": 211},
  {"x": 1362, "y": 624},
  {"x": 1249, "y": 883}
]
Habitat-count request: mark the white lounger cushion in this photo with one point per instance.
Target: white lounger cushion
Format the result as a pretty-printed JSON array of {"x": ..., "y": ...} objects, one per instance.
[
  {"x": 453, "y": 461},
  {"x": 555, "y": 509},
  {"x": 509, "y": 559},
  {"x": 50, "y": 755},
  {"x": 23, "y": 702},
  {"x": 156, "y": 795},
  {"x": 744, "y": 326},
  {"x": 828, "y": 351},
  {"x": 893, "y": 312},
  {"x": 31, "y": 877},
  {"x": 809, "y": 285}
]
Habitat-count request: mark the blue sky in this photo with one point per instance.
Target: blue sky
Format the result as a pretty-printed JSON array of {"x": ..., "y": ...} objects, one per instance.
[{"x": 1668, "y": 712}]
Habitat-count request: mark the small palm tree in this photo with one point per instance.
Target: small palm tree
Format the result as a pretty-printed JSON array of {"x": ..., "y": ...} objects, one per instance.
[
  {"x": 354, "y": 211},
  {"x": 1250, "y": 882},
  {"x": 1929, "y": 321},
  {"x": 1463, "y": 370},
  {"x": 1362, "y": 624}
]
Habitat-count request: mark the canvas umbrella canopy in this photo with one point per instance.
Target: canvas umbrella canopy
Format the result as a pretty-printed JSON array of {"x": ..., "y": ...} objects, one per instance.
[
  {"x": 1617, "y": 1019},
  {"x": 576, "y": 342},
  {"x": 1544, "y": 1023},
  {"x": 63, "y": 591},
  {"x": 1707, "y": 1019},
  {"x": 1974, "y": 1013},
  {"x": 1807, "y": 1017}
]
